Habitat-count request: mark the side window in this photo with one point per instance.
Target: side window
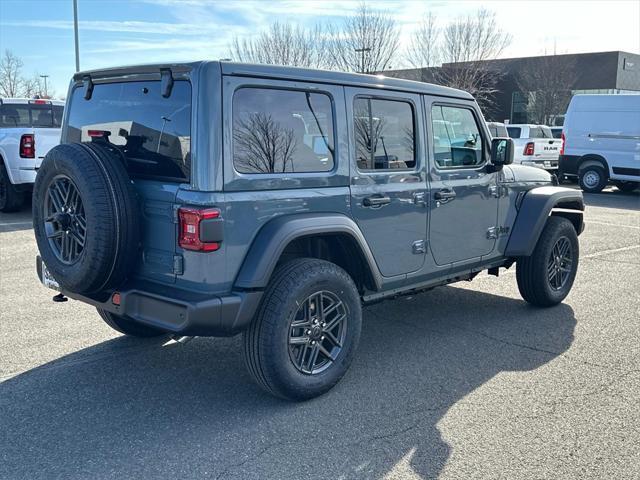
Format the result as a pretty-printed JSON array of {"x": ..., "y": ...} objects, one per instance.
[
  {"x": 384, "y": 134},
  {"x": 514, "y": 132},
  {"x": 282, "y": 131},
  {"x": 456, "y": 138}
]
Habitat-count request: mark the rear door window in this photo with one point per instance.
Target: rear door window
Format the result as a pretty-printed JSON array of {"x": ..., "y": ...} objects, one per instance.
[
  {"x": 384, "y": 130},
  {"x": 152, "y": 132},
  {"x": 282, "y": 131}
]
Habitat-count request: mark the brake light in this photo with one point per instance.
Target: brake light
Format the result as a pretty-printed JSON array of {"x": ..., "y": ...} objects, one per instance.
[
  {"x": 562, "y": 146},
  {"x": 528, "y": 148},
  {"x": 98, "y": 133},
  {"x": 191, "y": 235},
  {"x": 27, "y": 146},
  {"x": 40, "y": 102}
]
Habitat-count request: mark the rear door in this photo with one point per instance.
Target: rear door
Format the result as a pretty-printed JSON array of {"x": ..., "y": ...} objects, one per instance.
[
  {"x": 388, "y": 186},
  {"x": 153, "y": 133}
]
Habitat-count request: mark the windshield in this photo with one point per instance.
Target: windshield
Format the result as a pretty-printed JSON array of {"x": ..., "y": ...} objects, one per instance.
[{"x": 152, "y": 132}]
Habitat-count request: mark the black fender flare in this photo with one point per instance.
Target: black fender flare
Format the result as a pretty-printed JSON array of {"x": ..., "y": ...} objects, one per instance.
[
  {"x": 273, "y": 238},
  {"x": 536, "y": 206}
]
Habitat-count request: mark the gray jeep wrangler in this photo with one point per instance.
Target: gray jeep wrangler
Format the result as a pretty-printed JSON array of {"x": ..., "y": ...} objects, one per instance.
[{"x": 213, "y": 198}]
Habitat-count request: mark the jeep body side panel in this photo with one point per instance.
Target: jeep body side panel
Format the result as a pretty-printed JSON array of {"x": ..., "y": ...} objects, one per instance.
[
  {"x": 277, "y": 234},
  {"x": 534, "y": 210}
]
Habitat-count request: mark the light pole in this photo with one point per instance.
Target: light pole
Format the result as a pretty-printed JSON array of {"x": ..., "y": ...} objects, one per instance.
[
  {"x": 361, "y": 51},
  {"x": 75, "y": 31},
  {"x": 45, "y": 84}
]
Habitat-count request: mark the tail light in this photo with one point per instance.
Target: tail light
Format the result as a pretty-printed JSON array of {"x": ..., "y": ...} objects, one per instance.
[
  {"x": 562, "y": 146},
  {"x": 27, "y": 146},
  {"x": 528, "y": 148},
  {"x": 200, "y": 229}
]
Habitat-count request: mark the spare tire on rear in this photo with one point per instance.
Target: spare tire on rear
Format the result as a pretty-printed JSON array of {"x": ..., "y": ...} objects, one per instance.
[{"x": 86, "y": 217}]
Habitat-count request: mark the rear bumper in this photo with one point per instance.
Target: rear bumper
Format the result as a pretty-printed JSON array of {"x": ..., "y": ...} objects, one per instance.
[
  {"x": 550, "y": 165},
  {"x": 176, "y": 311}
]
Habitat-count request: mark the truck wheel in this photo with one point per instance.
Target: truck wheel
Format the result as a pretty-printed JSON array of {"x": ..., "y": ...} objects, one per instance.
[
  {"x": 10, "y": 198},
  {"x": 592, "y": 179},
  {"x": 305, "y": 334},
  {"x": 546, "y": 277},
  {"x": 126, "y": 325},
  {"x": 626, "y": 186}
]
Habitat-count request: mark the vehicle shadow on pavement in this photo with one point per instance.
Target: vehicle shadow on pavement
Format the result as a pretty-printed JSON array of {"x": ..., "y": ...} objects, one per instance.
[
  {"x": 613, "y": 199},
  {"x": 134, "y": 409}
]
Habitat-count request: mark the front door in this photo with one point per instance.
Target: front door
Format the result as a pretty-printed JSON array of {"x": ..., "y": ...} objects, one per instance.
[
  {"x": 388, "y": 184},
  {"x": 464, "y": 193}
]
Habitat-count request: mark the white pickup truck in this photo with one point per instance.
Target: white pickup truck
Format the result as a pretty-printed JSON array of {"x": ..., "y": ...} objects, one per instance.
[
  {"x": 535, "y": 146},
  {"x": 28, "y": 130}
]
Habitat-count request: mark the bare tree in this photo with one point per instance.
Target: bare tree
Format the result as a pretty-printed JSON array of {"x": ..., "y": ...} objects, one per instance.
[
  {"x": 32, "y": 87},
  {"x": 547, "y": 82},
  {"x": 262, "y": 145},
  {"x": 11, "y": 81},
  {"x": 423, "y": 50},
  {"x": 365, "y": 42},
  {"x": 283, "y": 44},
  {"x": 467, "y": 42}
]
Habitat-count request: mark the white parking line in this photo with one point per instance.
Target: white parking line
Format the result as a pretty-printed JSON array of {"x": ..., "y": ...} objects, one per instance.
[
  {"x": 13, "y": 224},
  {"x": 587, "y": 222}
]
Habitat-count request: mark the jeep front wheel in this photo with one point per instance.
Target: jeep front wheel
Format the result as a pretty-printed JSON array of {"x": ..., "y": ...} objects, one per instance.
[
  {"x": 546, "y": 277},
  {"x": 305, "y": 334}
]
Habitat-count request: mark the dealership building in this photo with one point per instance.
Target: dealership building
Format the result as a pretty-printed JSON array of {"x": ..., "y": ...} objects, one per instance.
[{"x": 594, "y": 73}]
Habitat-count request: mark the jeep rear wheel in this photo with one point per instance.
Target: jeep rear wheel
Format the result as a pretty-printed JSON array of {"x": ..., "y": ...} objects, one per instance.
[
  {"x": 546, "y": 277},
  {"x": 305, "y": 334}
]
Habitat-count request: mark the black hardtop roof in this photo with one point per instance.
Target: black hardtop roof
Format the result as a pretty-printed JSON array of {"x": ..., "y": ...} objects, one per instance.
[{"x": 288, "y": 73}]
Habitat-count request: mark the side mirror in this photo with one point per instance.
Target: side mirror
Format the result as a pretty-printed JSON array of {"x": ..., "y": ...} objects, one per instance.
[{"x": 502, "y": 151}]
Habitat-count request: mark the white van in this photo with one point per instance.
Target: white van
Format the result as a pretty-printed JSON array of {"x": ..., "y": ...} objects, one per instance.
[{"x": 601, "y": 136}]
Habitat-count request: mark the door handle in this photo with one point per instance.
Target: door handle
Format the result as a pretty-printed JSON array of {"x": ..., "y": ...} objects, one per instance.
[
  {"x": 376, "y": 201},
  {"x": 445, "y": 195}
]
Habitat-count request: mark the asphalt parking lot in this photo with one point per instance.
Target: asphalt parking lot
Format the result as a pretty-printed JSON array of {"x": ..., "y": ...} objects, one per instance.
[{"x": 465, "y": 381}]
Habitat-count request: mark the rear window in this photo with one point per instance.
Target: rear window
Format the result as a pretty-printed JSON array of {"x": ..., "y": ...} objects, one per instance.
[
  {"x": 514, "y": 132},
  {"x": 540, "y": 132},
  {"x": 17, "y": 115},
  {"x": 152, "y": 132}
]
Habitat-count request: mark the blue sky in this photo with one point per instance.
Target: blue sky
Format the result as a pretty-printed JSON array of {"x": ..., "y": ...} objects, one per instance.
[{"x": 143, "y": 31}]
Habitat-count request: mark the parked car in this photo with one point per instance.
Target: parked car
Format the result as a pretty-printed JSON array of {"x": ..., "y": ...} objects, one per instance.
[
  {"x": 602, "y": 141},
  {"x": 556, "y": 132},
  {"x": 535, "y": 146},
  {"x": 497, "y": 130},
  {"x": 217, "y": 198},
  {"x": 28, "y": 130}
]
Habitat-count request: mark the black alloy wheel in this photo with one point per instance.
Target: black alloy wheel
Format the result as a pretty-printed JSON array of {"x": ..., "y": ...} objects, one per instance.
[
  {"x": 65, "y": 222},
  {"x": 560, "y": 264},
  {"x": 317, "y": 332}
]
